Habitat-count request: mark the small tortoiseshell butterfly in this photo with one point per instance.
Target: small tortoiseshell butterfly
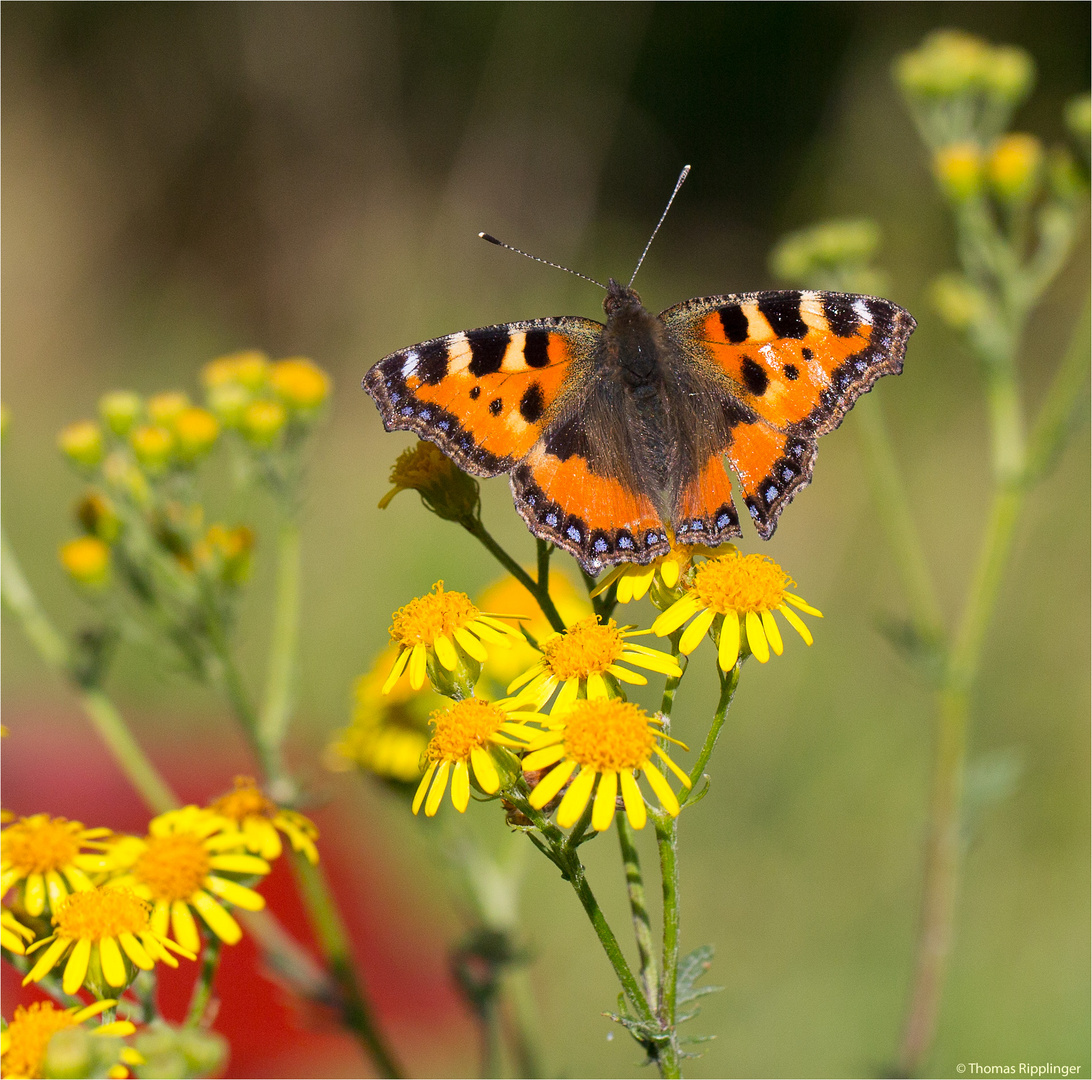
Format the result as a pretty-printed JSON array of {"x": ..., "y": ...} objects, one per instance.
[{"x": 612, "y": 434}]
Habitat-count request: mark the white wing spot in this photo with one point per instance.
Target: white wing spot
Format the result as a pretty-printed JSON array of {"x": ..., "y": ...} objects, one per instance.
[
  {"x": 863, "y": 313},
  {"x": 409, "y": 365}
]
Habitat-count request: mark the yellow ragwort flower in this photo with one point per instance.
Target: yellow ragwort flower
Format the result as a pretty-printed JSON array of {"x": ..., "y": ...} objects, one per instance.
[
  {"x": 462, "y": 736},
  {"x": 24, "y": 1042},
  {"x": 635, "y": 580},
  {"x": 52, "y": 857},
  {"x": 13, "y": 934},
  {"x": 259, "y": 818},
  {"x": 263, "y": 422},
  {"x": 742, "y": 592},
  {"x": 120, "y": 409},
  {"x": 166, "y": 407},
  {"x": 444, "y": 488},
  {"x": 445, "y": 627},
  {"x": 180, "y": 865},
  {"x": 580, "y": 660},
  {"x": 605, "y": 738},
  {"x": 196, "y": 431},
  {"x": 153, "y": 445},
  {"x": 301, "y": 385},
  {"x": 249, "y": 369},
  {"x": 107, "y": 935},
  {"x": 86, "y": 560},
  {"x": 82, "y": 443}
]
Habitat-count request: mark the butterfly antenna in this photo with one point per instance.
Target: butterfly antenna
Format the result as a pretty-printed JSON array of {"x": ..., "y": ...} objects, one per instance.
[
  {"x": 556, "y": 266},
  {"x": 678, "y": 184}
]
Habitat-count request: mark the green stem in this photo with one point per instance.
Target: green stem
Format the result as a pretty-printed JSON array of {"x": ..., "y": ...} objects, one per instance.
[
  {"x": 522, "y": 1015},
  {"x": 333, "y": 942},
  {"x": 202, "y": 988},
  {"x": 474, "y": 526},
  {"x": 667, "y": 840},
  {"x": 20, "y": 600},
  {"x": 491, "y": 1039},
  {"x": 281, "y": 677},
  {"x": 728, "y": 682},
  {"x": 642, "y": 925}
]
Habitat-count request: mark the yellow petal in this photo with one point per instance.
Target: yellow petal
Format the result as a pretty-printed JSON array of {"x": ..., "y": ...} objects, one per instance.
[
  {"x": 234, "y": 893},
  {"x": 728, "y": 646},
  {"x": 693, "y": 634},
  {"x": 603, "y": 807},
  {"x": 796, "y": 623},
  {"x": 576, "y": 798},
  {"x": 396, "y": 671},
  {"x": 136, "y": 952},
  {"x": 55, "y": 888},
  {"x": 569, "y": 691},
  {"x": 551, "y": 784},
  {"x": 439, "y": 786},
  {"x": 652, "y": 659},
  {"x": 217, "y": 918},
  {"x": 34, "y": 894},
  {"x": 470, "y": 644},
  {"x": 422, "y": 787},
  {"x": 417, "y": 660},
  {"x": 238, "y": 863},
  {"x": 445, "y": 652},
  {"x": 625, "y": 675},
  {"x": 79, "y": 881},
  {"x": 661, "y": 787},
  {"x": 93, "y": 1010},
  {"x": 184, "y": 927},
  {"x": 669, "y": 572},
  {"x": 634, "y": 800},
  {"x": 597, "y": 686},
  {"x": 460, "y": 786},
  {"x": 773, "y": 633},
  {"x": 490, "y": 633},
  {"x": 161, "y": 917},
  {"x": 667, "y": 622},
  {"x": 542, "y": 759},
  {"x": 683, "y": 778},
  {"x": 806, "y": 608},
  {"x": 75, "y": 971},
  {"x": 485, "y": 772},
  {"x": 118, "y": 1028},
  {"x": 47, "y": 960},
  {"x": 756, "y": 638},
  {"x": 113, "y": 966}
]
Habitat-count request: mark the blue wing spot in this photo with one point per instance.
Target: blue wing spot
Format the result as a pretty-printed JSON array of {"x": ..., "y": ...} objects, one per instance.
[
  {"x": 574, "y": 534},
  {"x": 551, "y": 520},
  {"x": 771, "y": 493}
]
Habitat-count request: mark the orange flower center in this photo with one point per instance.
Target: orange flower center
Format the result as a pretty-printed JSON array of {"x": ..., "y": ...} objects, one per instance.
[
  {"x": 101, "y": 913},
  {"x": 585, "y": 647},
  {"x": 245, "y": 801},
  {"x": 29, "y": 1033},
  {"x": 39, "y": 844},
  {"x": 741, "y": 583},
  {"x": 424, "y": 619},
  {"x": 608, "y": 734},
  {"x": 173, "y": 867},
  {"x": 461, "y": 727}
]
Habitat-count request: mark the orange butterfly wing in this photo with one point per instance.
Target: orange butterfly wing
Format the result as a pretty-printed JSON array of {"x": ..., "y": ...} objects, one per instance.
[{"x": 789, "y": 366}]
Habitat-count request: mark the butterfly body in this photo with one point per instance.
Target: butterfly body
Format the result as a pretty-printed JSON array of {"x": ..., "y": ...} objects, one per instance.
[{"x": 616, "y": 434}]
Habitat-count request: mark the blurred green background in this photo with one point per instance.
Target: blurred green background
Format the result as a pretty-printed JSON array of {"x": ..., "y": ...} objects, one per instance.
[{"x": 184, "y": 180}]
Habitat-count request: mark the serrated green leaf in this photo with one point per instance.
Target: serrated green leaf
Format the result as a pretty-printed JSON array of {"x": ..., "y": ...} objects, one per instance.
[{"x": 691, "y": 968}]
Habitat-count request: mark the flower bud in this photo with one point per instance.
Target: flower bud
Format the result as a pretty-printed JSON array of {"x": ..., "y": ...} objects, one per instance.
[
  {"x": 832, "y": 254},
  {"x": 86, "y": 561},
  {"x": 1009, "y": 74},
  {"x": 82, "y": 443},
  {"x": 163, "y": 408},
  {"x": 229, "y": 401},
  {"x": 120, "y": 410},
  {"x": 227, "y": 551},
  {"x": 948, "y": 63},
  {"x": 444, "y": 488},
  {"x": 1065, "y": 179},
  {"x": 1014, "y": 167},
  {"x": 958, "y": 168},
  {"x": 96, "y": 513},
  {"x": 301, "y": 385},
  {"x": 196, "y": 431},
  {"x": 263, "y": 422},
  {"x": 125, "y": 478},
  {"x": 958, "y": 302},
  {"x": 153, "y": 445},
  {"x": 249, "y": 369}
]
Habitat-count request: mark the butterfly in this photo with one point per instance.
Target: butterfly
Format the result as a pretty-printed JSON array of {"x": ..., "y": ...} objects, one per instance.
[{"x": 615, "y": 435}]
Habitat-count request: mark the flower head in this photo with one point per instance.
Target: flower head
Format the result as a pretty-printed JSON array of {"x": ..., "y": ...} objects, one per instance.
[
  {"x": 107, "y": 934},
  {"x": 605, "y": 738},
  {"x": 13, "y": 934},
  {"x": 462, "y": 735},
  {"x": 196, "y": 431},
  {"x": 301, "y": 385},
  {"x": 249, "y": 369},
  {"x": 180, "y": 867},
  {"x": 259, "y": 818},
  {"x": 120, "y": 409},
  {"x": 26, "y": 1039},
  {"x": 165, "y": 408},
  {"x": 635, "y": 580},
  {"x": 444, "y": 488},
  {"x": 582, "y": 658},
  {"x": 741, "y": 593},
  {"x": 444, "y": 634},
  {"x": 86, "y": 560},
  {"x": 153, "y": 445},
  {"x": 52, "y": 857},
  {"x": 82, "y": 443}
]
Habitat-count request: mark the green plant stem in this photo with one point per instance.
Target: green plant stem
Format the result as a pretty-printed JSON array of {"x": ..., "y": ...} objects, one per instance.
[
  {"x": 491, "y": 1039},
  {"x": 281, "y": 676},
  {"x": 20, "y": 600},
  {"x": 477, "y": 529},
  {"x": 642, "y": 926},
  {"x": 202, "y": 988},
  {"x": 667, "y": 841},
  {"x": 333, "y": 941},
  {"x": 729, "y": 680},
  {"x": 521, "y": 1025}
]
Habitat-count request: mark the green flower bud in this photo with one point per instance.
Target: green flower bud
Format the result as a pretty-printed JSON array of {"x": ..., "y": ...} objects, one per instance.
[
  {"x": 153, "y": 446},
  {"x": 82, "y": 443},
  {"x": 263, "y": 422},
  {"x": 195, "y": 431},
  {"x": 959, "y": 303},
  {"x": 228, "y": 401},
  {"x": 1009, "y": 74},
  {"x": 1015, "y": 167},
  {"x": 120, "y": 410},
  {"x": 958, "y": 169},
  {"x": 948, "y": 63},
  {"x": 834, "y": 252},
  {"x": 163, "y": 408},
  {"x": 125, "y": 478}
]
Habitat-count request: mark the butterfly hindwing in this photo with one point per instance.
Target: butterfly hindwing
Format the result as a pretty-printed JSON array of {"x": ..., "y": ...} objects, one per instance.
[
  {"x": 484, "y": 396},
  {"x": 790, "y": 365}
]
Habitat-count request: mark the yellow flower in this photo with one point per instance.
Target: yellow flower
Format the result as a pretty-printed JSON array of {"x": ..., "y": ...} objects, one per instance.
[
  {"x": 165, "y": 408},
  {"x": 444, "y": 488},
  {"x": 180, "y": 865},
  {"x": 52, "y": 857},
  {"x": 107, "y": 934},
  {"x": 13, "y": 934},
  {"x": 635, "y": 580},
  {"x": 462, "y": 736},
  {"x": 301, "y": 385},
  {"x": 25, "y": 1040},
  {"x": 82, "y": 443},
  {"x": 1014, "y": 167},
  {"x": 958, "y": 168},
  {"x": 388, "y": 732},
  {"x": 196, "y": 430},
  {"x": 263, "y": 422},
  {"x": 227, "y": 551},
  {"x": 605, "y": 738},
  {"x": 444, "y": 631},
  {"x": 249, "y": 369},
  {"x": 120, "y": 409},
  {"x": 581, "y": 659},
  {"x": 507, "y": 594},
  {"x": 152, "y": 445},
  {"x": 86, "y": 560},
  {"x": 259, "y": 818},
  {"x": 741, "y": 592}
]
